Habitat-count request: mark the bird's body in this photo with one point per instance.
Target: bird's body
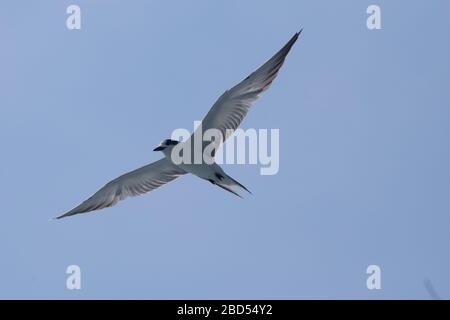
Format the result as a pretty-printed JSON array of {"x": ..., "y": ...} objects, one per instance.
[
  {"x": 204, "y": 171},
  {"x": 211, "y": 172},
  {"x": 225, "y": 116},
  {"x": 214, "y": 174}
]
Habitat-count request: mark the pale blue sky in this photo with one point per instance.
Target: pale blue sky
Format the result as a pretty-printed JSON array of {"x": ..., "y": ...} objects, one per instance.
[{"x": 364, "y": 149}]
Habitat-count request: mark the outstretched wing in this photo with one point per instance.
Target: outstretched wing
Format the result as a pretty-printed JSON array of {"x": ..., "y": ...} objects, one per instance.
[
  {"x": 232, "y": 106},
  {"x": 131, "y": 184}
]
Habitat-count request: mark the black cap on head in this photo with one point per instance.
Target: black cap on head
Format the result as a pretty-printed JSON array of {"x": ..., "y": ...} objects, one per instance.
[{"x": 170, "y": 142}]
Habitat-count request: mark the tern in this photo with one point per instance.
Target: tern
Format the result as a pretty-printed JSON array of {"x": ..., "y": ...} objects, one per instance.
[{"x": 225, "y": 115}]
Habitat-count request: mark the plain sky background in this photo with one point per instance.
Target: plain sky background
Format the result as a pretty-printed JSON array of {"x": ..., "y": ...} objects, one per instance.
[{"x": 364, "y": 119}]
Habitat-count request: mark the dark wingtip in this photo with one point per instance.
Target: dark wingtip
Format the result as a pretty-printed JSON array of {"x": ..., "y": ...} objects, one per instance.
[
  {"x": 290, "y": 43},
  {"x": 297, "y": 34},
  {"x": 59, "y": 217},
  {"x": 67, "y": 214}
]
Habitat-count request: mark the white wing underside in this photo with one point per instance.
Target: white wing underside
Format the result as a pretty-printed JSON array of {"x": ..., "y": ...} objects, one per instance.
[
  {"x": 134, "y": 183},
  {"x": 225, "y": 115},
  {"x": 232, "y": 106}
]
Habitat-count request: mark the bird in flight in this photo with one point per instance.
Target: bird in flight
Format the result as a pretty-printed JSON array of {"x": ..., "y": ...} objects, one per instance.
[{"x": 225, "y": 116}]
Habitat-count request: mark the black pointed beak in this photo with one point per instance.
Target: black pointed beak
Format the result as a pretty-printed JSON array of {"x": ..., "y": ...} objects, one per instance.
[{"x": 158, "y": 148}]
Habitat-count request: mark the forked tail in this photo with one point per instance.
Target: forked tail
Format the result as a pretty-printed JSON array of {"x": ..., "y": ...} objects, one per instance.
[
  {"x": 235, "y": 182},
  {"x": 226, "y": 182}
]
